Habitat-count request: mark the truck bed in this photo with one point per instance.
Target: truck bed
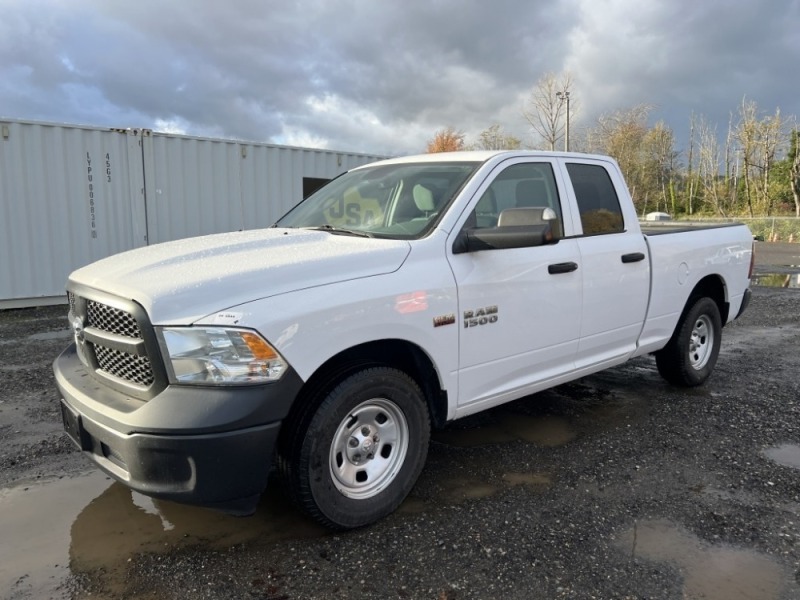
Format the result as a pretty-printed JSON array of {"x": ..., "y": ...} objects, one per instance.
[{"x": 651, "y": 228}]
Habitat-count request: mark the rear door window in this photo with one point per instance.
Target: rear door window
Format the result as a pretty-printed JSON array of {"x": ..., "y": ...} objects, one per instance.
[{"x": 598, "y": 203}]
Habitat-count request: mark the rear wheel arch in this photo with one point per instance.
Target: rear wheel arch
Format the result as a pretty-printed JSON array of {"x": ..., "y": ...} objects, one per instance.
[
  {"x": 691, "y": 353},
  {"x": 711, "y": 286}
]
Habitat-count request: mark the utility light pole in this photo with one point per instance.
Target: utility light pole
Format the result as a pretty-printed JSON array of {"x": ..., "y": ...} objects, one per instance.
[{"x": 562, "y": 96}]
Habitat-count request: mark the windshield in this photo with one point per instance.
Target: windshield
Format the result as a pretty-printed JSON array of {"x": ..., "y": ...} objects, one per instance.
[{"x": 401, "y": 201}]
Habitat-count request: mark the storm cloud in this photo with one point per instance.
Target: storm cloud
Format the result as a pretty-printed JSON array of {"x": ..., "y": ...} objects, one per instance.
[{"x": 381, "y": 77}]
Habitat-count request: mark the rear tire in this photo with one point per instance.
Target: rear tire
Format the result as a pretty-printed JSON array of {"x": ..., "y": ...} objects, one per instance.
[
  {"x": 689, "y": 357},
  {"x": 359, "y": 452}
]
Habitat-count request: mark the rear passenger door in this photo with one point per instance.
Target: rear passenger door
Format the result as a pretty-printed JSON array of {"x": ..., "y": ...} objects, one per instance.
[
  {"x": 615, "y": 266},
  {"x": 519, "y": 308}
]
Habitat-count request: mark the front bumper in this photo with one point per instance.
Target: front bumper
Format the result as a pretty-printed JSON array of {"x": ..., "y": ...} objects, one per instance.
[{"x": 210, "y": 446}]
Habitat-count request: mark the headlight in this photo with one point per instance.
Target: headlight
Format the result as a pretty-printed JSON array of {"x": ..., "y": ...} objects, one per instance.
[{"x": 220, "y": 355}]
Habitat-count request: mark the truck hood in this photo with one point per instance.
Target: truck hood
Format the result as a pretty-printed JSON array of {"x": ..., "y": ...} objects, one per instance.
[{"x": 182, "y": 281}]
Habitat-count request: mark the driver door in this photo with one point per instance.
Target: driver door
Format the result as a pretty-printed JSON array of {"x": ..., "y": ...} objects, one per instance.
[{"x": 519, "y": 308}]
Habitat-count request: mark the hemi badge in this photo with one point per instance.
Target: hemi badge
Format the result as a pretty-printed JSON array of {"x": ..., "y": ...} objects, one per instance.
[{"x": 444, "y": 320}]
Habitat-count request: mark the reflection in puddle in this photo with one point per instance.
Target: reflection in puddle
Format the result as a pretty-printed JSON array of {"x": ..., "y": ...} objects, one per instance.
[
  {"x": 93, "y": 524},
  {"x": 787, "y": 455},
  {"x": 35, "y": 525},
  {"x": 542, "y": 431},
  {"x": 710, "y": 572}
]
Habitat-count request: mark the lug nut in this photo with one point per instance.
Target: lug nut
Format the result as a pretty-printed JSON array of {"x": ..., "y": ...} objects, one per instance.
[
  {"x": 376, "y": 439},
  {"x": 357, "y": 458},
  {"x": 370, "y": 456},
  {"x": 353, "y": 442},
  {"x": 365, "y": 431}
]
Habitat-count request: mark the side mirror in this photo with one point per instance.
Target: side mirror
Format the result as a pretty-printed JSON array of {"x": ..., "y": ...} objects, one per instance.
[
  {"x": 516, "y": 228},
  {"x": 506, "y": 237}
]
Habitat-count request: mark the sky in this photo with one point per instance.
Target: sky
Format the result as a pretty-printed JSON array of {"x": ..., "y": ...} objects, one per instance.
[{"x": 382, "y": 77}]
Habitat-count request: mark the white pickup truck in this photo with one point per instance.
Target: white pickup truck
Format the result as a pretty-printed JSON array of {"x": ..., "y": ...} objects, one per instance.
[{"x": 402, "y": 295}]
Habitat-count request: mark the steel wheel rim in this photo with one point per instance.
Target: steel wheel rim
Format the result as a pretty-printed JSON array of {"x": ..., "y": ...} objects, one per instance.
[
  {"x": 701, "y": 342},
  {"x": 369, "y": 448}
]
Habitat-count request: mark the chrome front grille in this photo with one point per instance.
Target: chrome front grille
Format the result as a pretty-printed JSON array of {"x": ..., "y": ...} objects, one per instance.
[
  {"x": 125, "y": 366},
  {"x": 126, "y": 361},
  {"x": 112, "y": 320}
]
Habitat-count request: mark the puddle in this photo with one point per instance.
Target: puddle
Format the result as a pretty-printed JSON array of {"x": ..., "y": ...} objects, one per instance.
[
  {"x": 35, "y": 523},
  {"x": 787, "y": 455},
  {"x": 542, "y": 431},
  {"x": 710, "y": 572},
  {"x": 780, "y": 280},
  {"x": 94, "y": 524},
  {"x": 412, "y": 506},
  {"x": 469, "y": 438},
  {"x": 460, "y": 490}
]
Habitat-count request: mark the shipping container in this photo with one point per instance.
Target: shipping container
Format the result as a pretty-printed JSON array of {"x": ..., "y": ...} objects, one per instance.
[{"x": 70, "y": 195}]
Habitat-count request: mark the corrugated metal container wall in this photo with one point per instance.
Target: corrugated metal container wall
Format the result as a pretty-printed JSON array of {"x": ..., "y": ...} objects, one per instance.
[
  {"x": 71, "y": 195},
  {"x": 67, "y": 198},
  {"x": 268, "y": 191},
  {"x": 197, "y": 186},
  {"x": 192, "y": 186}
]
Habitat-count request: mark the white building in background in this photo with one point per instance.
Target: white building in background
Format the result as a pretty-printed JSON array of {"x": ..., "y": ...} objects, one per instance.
[{"x": 70, "y": 195}]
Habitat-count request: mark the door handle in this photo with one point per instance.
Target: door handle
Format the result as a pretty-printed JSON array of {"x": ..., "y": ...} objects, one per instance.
[
  {"x": 567, "y": 267},
  {"x": 633, "y": 257}
]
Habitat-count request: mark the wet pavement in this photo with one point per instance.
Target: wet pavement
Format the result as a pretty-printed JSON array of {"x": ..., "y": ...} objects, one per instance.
[
  {"x": 614, "y": 486},
  {"x": 90, "y": 523},
  {"x": 710, "y": 572}
]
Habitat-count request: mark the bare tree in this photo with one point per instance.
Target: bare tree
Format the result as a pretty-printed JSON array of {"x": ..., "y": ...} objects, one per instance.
[
  {"x": 708, "y": 166},
  {"x": 746, "y": 133},
  {"x": 690, "y": 191},
  {"x": 660, "y": 163},
  {"x": 545, "y": 111},
  {"x": 621, "y": 134},
  {"x": 446, "y": 140},
  {"x": 759, "y": 140},
  {"x": 794, "y": 170},
  {"x": 494, "y": 138},
  {"x": 771, "y": 136}
]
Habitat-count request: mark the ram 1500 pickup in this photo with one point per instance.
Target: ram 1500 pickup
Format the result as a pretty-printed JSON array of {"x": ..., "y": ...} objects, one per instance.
[{"x": 400, "y": 296}]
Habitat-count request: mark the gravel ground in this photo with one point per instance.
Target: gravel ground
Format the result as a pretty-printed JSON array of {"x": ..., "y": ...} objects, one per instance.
[{"x": 615, "y": 486}]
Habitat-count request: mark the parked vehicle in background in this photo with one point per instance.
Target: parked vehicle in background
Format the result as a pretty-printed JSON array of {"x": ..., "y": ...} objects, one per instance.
[{"x": 401, "y": 296}]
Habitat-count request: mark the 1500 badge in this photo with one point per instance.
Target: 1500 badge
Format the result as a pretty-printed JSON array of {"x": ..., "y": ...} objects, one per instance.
[{"x": 480, "y": 316}]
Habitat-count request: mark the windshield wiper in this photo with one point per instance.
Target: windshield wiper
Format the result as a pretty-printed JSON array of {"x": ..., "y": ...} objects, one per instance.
[{"x": 341, "y": 231}]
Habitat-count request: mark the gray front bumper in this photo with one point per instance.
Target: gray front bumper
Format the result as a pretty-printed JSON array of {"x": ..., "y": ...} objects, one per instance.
[{"x": 210, "y": 446}]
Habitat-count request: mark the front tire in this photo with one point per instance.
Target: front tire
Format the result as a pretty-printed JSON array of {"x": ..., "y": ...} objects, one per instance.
[
  {"x": 359, "y": 453},
  {"x": 689, "y": 357}
]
